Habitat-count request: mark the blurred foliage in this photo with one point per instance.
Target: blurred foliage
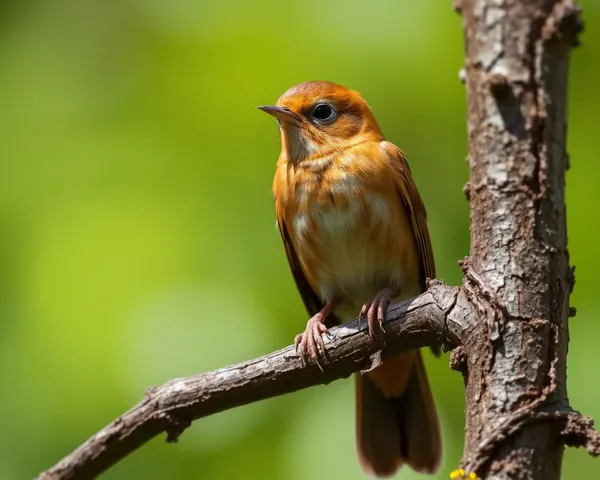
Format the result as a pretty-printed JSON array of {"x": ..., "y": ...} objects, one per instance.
[{"x": 137, "y": 236}]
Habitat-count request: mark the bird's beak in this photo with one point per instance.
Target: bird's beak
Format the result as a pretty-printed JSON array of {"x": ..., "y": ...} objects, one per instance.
[{"x": 283, "y": 114}]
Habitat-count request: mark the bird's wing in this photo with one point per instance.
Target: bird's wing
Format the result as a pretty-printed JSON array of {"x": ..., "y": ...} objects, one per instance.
[
  {"x": 411, "y": 199},
  {"x": 398, "y": 389}
]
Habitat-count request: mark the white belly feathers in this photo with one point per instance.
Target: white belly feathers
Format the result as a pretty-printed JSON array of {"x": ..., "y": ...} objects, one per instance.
[{"x": 345, "y": 236}]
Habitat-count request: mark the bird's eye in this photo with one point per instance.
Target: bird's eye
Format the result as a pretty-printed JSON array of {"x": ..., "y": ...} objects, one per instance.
[{"x": 324, "y": 113}]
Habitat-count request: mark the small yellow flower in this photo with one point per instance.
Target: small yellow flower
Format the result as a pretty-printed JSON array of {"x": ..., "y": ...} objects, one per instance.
[{"x": 461, "y": 474}]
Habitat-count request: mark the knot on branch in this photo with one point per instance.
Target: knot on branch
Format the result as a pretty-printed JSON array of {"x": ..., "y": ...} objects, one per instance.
[
  {"x": 176, "y": 426},
  {"x": 578, "y": 431}
]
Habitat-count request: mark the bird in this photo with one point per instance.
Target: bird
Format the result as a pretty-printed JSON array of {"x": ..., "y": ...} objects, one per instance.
[{"x": 355, "y": 234}]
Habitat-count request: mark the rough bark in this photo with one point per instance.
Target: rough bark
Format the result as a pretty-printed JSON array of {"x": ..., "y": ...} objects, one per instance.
[{"x": 518, "y": 271}]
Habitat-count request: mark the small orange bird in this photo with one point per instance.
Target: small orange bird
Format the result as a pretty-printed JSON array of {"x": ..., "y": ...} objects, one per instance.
[{"x": 355, "y": 235}]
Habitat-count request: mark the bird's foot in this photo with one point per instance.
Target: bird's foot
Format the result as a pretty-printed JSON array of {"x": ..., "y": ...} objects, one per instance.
[
  {"x": 310, "y": 343},
  {"x": 375, "y": 309}
]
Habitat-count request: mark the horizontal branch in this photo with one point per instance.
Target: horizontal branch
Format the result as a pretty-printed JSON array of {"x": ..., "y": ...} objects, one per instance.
[{"x": 439, "y": 317}]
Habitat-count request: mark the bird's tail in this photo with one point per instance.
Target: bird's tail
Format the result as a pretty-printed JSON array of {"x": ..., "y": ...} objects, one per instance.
[{"x": 396, "y": 419}]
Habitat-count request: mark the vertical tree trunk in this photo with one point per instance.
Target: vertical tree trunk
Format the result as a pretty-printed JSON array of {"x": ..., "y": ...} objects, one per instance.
[{"x": 518, "y": 272}]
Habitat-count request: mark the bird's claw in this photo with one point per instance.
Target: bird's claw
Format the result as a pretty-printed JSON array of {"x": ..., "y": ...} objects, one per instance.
[
  {"x": 310, "y": 343},
  {"x": 375, "y": 310}
]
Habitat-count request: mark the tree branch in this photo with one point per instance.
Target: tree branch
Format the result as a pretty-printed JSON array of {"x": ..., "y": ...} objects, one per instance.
[{"x": 440, "y": 316}]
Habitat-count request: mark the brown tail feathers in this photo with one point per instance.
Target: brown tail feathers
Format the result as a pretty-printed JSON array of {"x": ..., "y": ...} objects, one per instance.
[{"x": 396, "y": 419}]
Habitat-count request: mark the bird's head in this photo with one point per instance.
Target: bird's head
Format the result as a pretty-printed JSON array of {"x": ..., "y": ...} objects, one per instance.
[{"x": 319, "y": 118}]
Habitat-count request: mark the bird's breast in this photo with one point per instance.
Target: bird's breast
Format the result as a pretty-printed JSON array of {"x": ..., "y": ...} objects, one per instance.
[{"x": 349, "y": 234}]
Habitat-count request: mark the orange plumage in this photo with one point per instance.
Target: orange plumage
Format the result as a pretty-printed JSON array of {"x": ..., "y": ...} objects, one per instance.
[{"x": 355, "y": 235}]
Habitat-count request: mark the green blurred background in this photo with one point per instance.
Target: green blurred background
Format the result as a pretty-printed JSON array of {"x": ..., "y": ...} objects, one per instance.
[{"x": 137, "y": 234}]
